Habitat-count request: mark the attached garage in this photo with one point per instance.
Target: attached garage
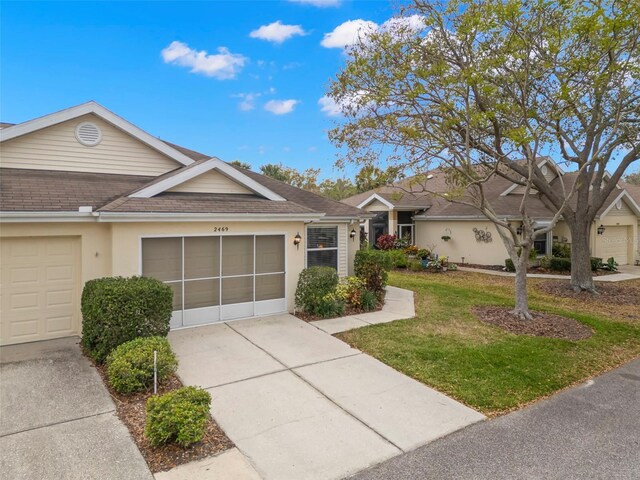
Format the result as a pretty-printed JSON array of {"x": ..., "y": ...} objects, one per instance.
[
  {"x": 40, "y": 285},
  {"x": 218, "y": 278},
  {"x": 614, "y": 242}
]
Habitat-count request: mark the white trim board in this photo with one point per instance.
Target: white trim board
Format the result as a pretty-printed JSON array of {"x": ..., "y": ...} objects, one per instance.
[
  {"x": 94, "y": 108},
  {"x": 373, "y": 197},
  {"x": 192, "y": 172}
]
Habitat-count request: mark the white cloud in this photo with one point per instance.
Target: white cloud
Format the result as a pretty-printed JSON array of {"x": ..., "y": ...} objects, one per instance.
[
  {"x": 222, "y": 65},
  {"x": 319, "y": 3},
  {"x": 277, "y": 32},
  {"x": 413, "y": 23},
  {"x": 351, "y": 102},
  {"x": 329, "y": 106},
  {"x": 280, "y": 107},
  {"x": 247, "y": 101},
  {"x": 348, "y": 33}
]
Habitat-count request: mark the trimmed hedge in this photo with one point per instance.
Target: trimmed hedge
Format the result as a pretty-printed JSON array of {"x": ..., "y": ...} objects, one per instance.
[
  {"x": 179, "y": 416},
  {"x": 315, "y": 284},
  {"x": 559, "y": 264},
  {"x": 116, "y": 310},
  {"x": 130, "y": 365},
  {"x": 372, "y": 266}
]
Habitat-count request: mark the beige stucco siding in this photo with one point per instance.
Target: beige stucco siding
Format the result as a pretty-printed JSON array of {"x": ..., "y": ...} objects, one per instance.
[
  {"x": 95, "y": 242},
  {"x": 463, "y": 241},
  {"x": 210, "y": 182},
  {"x": 56, "y": 148}
]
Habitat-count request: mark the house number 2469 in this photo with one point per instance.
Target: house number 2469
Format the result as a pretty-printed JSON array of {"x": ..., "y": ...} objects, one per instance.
[{"x": 220, "y": 229}]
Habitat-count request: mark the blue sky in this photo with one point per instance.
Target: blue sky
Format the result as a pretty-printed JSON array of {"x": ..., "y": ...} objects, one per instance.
[{"x": 252, "y": 97}]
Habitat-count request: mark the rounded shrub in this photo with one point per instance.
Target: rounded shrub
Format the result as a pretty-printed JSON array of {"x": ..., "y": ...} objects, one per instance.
[
  {"x": 116, "y": 310},
  {"x": 314, "y": 284},
  {"x": 179, "y": 416},
  {"x": 130, "y": 365},
  {"x": 369, "y": 301}
]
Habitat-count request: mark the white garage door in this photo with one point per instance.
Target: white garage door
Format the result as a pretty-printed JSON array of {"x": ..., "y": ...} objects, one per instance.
[
  {"x": 218, "y": 278},
  {"x": 39, "y": 285},
  {"x": 614, "y": 243}
]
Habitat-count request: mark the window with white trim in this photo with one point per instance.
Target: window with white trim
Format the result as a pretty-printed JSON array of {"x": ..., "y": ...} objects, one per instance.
[{"x": 322, "y": 247}]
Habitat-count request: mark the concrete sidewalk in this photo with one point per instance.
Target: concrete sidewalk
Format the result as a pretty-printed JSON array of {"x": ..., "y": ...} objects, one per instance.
[
  {"x": 589, "y": 431},
  {"x": 301, "y": 404},
  {"x": 625, "y": 272},
  {"x": 57, "y": 419}
]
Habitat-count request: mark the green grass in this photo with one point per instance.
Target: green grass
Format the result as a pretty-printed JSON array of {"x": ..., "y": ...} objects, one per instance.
[{"x": 483, "y": 366}]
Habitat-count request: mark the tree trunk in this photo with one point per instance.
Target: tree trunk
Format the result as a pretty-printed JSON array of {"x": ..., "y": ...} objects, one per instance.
[
  {"x": 581, "y": 274},
  {"x": 522, "y": 297}
]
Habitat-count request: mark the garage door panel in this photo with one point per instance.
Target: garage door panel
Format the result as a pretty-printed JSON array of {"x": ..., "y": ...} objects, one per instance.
[
  {"x": 40, "y": 288},
  {"x": 614, "y": 243},
  {"x": 22, "y": 276}
]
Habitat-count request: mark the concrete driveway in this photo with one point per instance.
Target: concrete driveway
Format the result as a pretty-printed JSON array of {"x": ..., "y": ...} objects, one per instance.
[
  {"x": 57, "y": 419},
  {"x": 590, "y": 431},
  {"x": 301, "y": 404}
]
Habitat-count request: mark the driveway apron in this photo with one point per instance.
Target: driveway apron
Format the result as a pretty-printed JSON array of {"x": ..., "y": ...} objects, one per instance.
[
  {"x": 301, "y": 404},
  {"x": 57, "y": 419}
]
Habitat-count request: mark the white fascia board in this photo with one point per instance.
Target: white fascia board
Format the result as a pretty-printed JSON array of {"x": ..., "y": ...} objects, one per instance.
[
  {"x": 193, "y": 172},
  {"x": 21, "y": 217},
  {"x": 555, "y": 166},
  {"x": 206, "y": 217},
  {"x": 94, "y": 108},
  {"x": 632, "y": 203},
  {"x": 373, "y": 197},
  {"x": 458, "y": 218}
]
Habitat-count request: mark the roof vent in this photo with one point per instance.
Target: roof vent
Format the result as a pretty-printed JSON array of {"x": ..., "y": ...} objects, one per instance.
[{"x": 88, "y": 134}]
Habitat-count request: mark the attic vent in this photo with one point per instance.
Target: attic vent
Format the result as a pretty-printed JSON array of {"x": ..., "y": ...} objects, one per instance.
[
  {"x": 88, "y": 134},
  {"x": 544, "y": 170}
]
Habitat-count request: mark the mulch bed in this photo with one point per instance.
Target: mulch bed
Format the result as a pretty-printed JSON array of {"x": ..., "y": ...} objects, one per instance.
[
  {"x": 546, "y": 271},
  {"x": 542, "y": 324},
  {"x": 131, "y": 410},
  {"x": 616, "y": 293}
]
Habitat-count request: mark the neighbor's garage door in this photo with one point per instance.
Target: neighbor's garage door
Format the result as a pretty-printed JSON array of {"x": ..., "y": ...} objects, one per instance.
[
  {"x": 218, "y": 278},
  {"x": 614, "y": 243},
  {"x": 39, "y": 285}
]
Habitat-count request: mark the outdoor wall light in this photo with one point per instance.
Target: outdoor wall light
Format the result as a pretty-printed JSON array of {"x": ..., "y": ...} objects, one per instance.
[
  {"x": 296, "y": 240},
  {"x": 353, "y": 234},
  {"x": 519, "y": 230},
  {"x": 600, "y": 229}
]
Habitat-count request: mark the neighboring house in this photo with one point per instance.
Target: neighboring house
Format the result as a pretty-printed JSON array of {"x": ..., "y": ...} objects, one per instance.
[
  {"x": 406, "y": 210},
  {"x": 86, "y": 194}
]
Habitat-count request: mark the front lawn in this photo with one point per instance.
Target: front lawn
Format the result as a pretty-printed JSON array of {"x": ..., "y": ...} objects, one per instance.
[{"x": 483, "y": 366}]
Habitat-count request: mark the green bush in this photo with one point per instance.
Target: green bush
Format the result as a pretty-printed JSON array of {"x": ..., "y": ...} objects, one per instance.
[
  {"x": 369, "y": 301},
  {"x": 509, "y": 264},
  {"x": 130, "y": 365},
  {"x": 179, "y": 416},
  {"x": 415, "y": 265},
  {"x": 314, "y": 284},
  {"x": 611, "y": 264},
  {"x": 329, "y": 306},
  {"x": 372, "y": 266},
  {"x": 397, "y": 258},
  {"x": 561, "y": 250},
  {"x": 560, "y": 264},
  {"x": 596, "y": 263},
  {"x": 116, "y": 310}
]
